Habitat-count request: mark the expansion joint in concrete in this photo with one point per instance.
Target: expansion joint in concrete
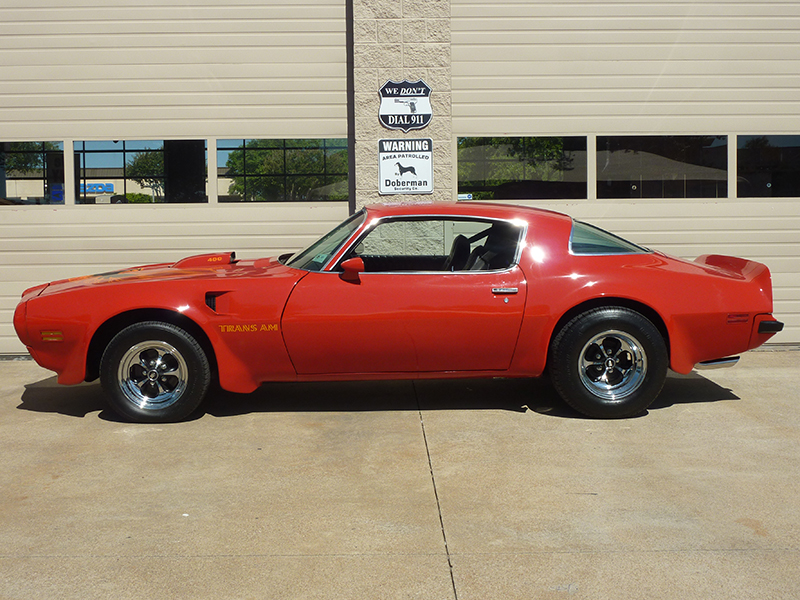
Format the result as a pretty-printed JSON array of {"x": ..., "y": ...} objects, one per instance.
[{"x": 436, "y": 494}]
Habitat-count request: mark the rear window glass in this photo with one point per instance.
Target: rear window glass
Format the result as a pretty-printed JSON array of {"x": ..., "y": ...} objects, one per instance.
[{"x": 587, "y": 240}]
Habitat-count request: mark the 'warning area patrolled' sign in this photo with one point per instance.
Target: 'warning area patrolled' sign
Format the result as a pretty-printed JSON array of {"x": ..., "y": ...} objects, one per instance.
[{"x": 405, "y": 166}]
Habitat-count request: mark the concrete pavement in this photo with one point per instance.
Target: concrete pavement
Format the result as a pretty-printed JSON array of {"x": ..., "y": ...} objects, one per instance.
[{"x": 429, "y": 490}]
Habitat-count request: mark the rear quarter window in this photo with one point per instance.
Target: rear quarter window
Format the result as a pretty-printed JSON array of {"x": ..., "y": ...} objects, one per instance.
[{"x": 588, "y": 240}]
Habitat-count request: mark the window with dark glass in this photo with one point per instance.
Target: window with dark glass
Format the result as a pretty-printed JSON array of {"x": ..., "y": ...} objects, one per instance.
[
  {"x": 141, "y": 171},
  {"x": 497, "y": 168},
  {"x": 662, "y": 166},
  {"x": 768, "y": 166},
  {"x": 588, "y": 240},
  {"x": 282, "y": 170},
  {"x": 31, "y": 173}
]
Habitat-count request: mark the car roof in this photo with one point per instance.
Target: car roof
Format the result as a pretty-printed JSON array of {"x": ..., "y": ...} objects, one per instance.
[{"x": 471, "y": 209}]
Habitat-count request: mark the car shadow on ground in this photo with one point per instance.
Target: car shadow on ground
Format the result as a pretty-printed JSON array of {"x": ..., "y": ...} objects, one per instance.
[{"x": 517, "y": 395}]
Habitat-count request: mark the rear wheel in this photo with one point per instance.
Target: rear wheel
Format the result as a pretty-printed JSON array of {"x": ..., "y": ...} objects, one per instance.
[
  {"x": 609, "y": 362},
  {"x": 154, "y": 372}
]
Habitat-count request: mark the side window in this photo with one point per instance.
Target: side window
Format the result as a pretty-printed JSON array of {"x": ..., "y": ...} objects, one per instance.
[{"x": 439, "y": 245}]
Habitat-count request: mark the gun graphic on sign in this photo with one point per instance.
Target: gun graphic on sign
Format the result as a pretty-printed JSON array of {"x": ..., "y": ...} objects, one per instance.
[
  {"x": 405, "y": 105},
  {"x": 412, "y": 104}
]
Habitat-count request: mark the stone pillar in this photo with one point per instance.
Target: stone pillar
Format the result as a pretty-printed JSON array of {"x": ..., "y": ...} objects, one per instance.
[{"x": 397, "y": 40}]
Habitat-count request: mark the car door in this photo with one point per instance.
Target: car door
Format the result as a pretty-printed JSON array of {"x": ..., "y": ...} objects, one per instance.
[{"x": 411, "y": 317}]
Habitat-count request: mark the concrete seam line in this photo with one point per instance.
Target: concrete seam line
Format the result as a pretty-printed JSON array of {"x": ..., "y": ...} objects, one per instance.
[{"x": 435, "y": 492}]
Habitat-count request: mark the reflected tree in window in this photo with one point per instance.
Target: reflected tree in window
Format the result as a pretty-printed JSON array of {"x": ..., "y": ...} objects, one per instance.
[
  {"x": 147, "y": 169},
  {"x": 287, "y": 170},
  {"x": 522, "y": 167}
]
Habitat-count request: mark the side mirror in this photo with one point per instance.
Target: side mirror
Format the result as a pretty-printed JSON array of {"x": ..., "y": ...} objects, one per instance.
[{"x": 352, "y": 267}]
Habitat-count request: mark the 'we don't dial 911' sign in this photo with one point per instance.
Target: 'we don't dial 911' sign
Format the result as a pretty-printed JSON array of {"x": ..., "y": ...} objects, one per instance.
[{"x": 405, "y": 105}]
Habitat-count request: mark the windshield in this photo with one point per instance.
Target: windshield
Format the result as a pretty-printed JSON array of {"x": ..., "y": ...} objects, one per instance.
[{"x": 317, "y": 255}]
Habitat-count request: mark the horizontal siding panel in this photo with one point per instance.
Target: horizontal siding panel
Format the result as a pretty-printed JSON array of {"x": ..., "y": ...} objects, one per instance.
[
  {"x": 39, "y": 244},
  {"x": 602, "y": 83},
  {"x": 767, "y": 97},
  {"x": 621, "y": 107},
  {"x": 630, "y": 51},
  {"x": 614, "y": 10},
  {"x": 215, "y": 73},
  {"x": 134, "y": 99},
  {"x": 143, "y": 58}
]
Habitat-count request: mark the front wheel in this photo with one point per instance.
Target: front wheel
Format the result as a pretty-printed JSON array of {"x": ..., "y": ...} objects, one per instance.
[
  {"x": 154, "y": 372},
  {"x": 609, "y": 362}
]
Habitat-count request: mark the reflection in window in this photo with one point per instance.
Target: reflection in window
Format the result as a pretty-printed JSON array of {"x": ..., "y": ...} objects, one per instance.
[
  {"x": 282, "y": 170},
  {"x": 494, "y": 168},
  {"x": 768, "y": 166},
  {"x": 141, "y": 171},
  {"x": 31, "y": 173},
  {"x": 669, "y": 166}
]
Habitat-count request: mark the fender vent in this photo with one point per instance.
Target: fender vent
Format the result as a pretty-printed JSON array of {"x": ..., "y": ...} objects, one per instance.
[{"x": 211, "y": 301}]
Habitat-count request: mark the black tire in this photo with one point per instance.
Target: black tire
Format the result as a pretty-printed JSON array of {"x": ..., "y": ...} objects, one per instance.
[
  {"x": 609, "y": 363},
  {"x": 154, "y": 372}
]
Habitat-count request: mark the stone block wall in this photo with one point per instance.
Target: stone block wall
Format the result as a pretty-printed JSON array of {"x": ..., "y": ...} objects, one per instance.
[{"x": 397, "y": 40}]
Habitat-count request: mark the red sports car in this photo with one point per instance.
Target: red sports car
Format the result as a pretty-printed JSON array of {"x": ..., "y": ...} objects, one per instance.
[{"x": 403, "y": 292}]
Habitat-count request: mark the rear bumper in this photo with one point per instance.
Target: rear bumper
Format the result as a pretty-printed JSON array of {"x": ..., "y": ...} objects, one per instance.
[
  {"x": 764, "y": 327},
  {"x": 770, "y": 327},
  {"x": 718, "y": 363}
]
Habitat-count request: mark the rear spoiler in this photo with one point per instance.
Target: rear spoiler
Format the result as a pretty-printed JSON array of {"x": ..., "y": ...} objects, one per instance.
[{"x": 734, "y": 266}]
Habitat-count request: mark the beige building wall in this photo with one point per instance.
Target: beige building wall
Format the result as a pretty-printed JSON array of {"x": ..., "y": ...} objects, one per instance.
[
  {"x": 652, "y": 68},
  {"x": 130, "y": 69},
  {"x": 125, "y": 69}
]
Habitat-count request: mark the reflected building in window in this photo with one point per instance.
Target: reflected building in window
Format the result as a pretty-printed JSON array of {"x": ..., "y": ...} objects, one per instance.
[
  {"x": 31, "y": 173},
  {"x": 669, "y": 166}
]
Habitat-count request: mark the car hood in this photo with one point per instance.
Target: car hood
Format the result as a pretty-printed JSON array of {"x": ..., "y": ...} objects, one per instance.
[{"x": 202, "y": 266}]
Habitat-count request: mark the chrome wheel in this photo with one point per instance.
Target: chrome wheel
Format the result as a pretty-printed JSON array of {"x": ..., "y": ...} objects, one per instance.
[
  {"x": 152, "y": 375},
  {"x": 609, "y": 362},
  {"x": 154, "y": 372},
  {"x": 612, "y": 365}
]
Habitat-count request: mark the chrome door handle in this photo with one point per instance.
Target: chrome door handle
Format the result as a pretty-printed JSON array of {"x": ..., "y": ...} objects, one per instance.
[{"x": 505, "y": 290}]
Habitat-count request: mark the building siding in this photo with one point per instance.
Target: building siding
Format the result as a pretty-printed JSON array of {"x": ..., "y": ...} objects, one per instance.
[
  {"x": 625, "y": 67},
  {"x": 139, "y": 69}
]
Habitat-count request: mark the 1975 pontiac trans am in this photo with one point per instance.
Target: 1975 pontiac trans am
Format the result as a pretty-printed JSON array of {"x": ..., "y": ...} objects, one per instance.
[{"x": 404, "y": 292}]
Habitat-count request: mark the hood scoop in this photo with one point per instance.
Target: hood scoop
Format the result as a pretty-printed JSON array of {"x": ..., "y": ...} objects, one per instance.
[{"x": 206, "y": 260}]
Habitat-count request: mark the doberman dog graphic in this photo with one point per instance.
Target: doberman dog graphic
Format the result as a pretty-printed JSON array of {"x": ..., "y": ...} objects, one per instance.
[{"x": 403, "y": 169}]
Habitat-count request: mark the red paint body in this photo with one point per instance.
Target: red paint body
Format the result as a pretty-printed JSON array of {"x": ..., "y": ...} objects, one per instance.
[{"x": 263, "y": 321}]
